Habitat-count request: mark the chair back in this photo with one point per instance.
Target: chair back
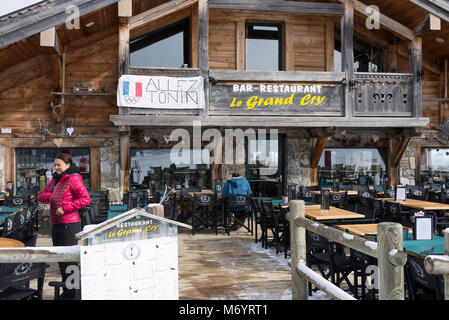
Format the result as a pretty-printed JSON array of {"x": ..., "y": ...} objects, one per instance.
[
  {"x": 291, "y": 192},
  {"x": 20, "y": 222},
  {"x": 135, "y": 198},
  {"x": 316, "y": 242},
  {"x": 170, "y": 207},
  {"x": 203, "y": 200},
  {"x": 8, "y": 227},
  {"x": 19, "y": 274},
  {"x": 420, "y": 279},
  {"x": 393, "y": 211},
  {"x": 338, "y": 198},
  {"x": 389, "y": 193},
  {"x": 239, "y": 201}
]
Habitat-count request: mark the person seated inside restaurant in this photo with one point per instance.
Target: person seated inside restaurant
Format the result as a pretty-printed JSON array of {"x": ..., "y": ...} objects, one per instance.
[{"x": 237, "y": 185}]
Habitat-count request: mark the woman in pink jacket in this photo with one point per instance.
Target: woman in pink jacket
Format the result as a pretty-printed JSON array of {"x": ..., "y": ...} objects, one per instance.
[{"x": 66, "y": 194}]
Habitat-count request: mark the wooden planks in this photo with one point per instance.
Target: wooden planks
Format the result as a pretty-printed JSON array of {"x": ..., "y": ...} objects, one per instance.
[
  {"x": 314, "y": 212},
  {"x": 359, "y": 229}
]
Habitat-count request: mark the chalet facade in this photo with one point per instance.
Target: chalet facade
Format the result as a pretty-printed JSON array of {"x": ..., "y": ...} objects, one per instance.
[{"x": 346, "y": 98}]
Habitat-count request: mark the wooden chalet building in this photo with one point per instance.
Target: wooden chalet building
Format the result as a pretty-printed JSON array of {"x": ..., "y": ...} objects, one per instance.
[{"x": 348, "y": 97}]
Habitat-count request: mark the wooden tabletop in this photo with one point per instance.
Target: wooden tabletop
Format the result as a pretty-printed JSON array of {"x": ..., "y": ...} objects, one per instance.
[
  {"x": 350, "y": 192},
  {"x": 426, "y": 205},
  {"x": 10, "y": 243},
  {"x": 314, "y": 212},
  {"x": 359, "y": 229}
]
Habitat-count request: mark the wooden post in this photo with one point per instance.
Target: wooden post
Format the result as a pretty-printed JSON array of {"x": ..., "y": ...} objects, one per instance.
[
  {"x": 391, "y": 277},
  {"x": 203, "y": 47},
  {"x": 124, "y": 160},
  {"x": 416, "y": 69},
  {"x": 347, "y": 55},
  {"x": 298, "y": 249},
  {"x": 123, "y": 46},
  {"x": 95, "y": 171},
  {"x": 240, "y": 45},
  {"x": 446, "y": 253},
  {"x": 316, "y": 155}
]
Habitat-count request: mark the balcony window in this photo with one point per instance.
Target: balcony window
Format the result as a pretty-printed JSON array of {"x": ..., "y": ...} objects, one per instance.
[
  {"x": 166, "y": 47},
  {"x": 352, "y": 166},
  {"x": 263, "y": 46}
]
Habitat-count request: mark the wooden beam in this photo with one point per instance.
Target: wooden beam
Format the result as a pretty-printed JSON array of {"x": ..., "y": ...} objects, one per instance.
[
  {"x": 123, "y": 46},
  {"x": 416, "y": 69},
  {"x": 316, "y": 155},
  {"x": 298, "y": 76},
  {"x": 159, "y": 12},
  {"x": 399, "y": 152},
  {"x": 439, "y": 8},
  {"x": 429, "y": 23},
  {"x": 279, "y": 6},
  {"x": 240, "y": 45},
  {"x": 347, "y": 55},
  {"x": 391, "y": 25},
  {"x": 203, "y": 49},
  {"x": 95, "y": 171},
  {"x": 125, "y": 8},
  {"x": 289, "y": 38},
  {"x": 124, "y": 160}
]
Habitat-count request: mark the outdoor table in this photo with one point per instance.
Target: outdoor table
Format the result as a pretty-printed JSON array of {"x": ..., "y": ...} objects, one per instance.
[
  {"x": 420, "y": 204},
  {"x": 314, "y": 212},
  {"x": 417, "y": 248},
  {"x": 11, "y": 243},
  {"x": 349, "y": 192}
]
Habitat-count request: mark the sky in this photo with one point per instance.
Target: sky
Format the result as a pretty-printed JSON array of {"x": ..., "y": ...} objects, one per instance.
[{"x": 7, "y": 6}]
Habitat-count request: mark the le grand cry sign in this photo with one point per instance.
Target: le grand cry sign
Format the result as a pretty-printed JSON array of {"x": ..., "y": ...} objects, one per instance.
[{"x": 250, "y": 98}]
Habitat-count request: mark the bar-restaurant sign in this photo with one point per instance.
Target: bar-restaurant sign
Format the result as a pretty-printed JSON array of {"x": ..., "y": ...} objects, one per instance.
[
  {"x": 276, "y": 97},
  {"x": 161, "y": 92}
]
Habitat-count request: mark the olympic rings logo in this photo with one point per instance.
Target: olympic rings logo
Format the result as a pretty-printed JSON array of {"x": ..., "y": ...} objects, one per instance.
[{"x": 131, "y": 100}]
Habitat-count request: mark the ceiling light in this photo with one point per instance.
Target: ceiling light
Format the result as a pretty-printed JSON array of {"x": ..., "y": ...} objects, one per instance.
[
  {"x": 439, "y": 40},
  {"x": 90, "y": 24}
]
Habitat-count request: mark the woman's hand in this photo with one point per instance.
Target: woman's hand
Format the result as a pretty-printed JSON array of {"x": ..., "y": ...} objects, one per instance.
[{"x": 59, "y": 212}]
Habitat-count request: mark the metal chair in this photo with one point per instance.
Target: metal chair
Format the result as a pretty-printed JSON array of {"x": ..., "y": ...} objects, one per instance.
[
  {"x": 421, "y": 285},
  {"x": 238, "y": 204},
  {"x": 204, "y": 212}
]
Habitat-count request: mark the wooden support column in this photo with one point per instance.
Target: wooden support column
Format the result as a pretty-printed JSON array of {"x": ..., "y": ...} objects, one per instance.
[
  {"x": 416, "y": 69},
  {"x": 124, "y": 159},
  {"x": 95, "y": 172},
  {"x": 203, "y": 49},
  {"x": 347, "y": 55},
  {"x": 397, "y": 150},
  {"x": 444, "y": 91},
  {"x": 298, "y": 250},
  {"x": 330, "y": 34},
  {"x": 316, "y": 155},
  {"x": 10, "y": 166}
]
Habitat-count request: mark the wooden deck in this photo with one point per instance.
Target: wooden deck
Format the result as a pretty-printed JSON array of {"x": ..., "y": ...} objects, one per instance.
[{"x": 217, "y": 267}]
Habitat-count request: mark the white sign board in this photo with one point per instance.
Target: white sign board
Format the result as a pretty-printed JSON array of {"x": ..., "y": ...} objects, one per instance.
[
  {"x": 161, "y": 92},
  {"x": 134, "y": 270}
]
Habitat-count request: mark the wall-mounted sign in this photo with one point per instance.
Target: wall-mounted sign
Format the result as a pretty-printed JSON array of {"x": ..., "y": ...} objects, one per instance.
[
  {"x": 160, "y": 92},
  {"x": 276, "y": 97}
]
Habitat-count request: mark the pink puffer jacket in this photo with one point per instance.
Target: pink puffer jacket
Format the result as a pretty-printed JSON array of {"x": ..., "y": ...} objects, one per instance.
[{"x": 69, "y": 193}]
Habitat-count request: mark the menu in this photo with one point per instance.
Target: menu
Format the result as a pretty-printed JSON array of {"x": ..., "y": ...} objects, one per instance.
[{"x": 134, "y": 270}]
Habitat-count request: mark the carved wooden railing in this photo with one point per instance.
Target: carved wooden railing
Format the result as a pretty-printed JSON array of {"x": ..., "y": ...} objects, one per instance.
[{"x": 383, "y": 94}]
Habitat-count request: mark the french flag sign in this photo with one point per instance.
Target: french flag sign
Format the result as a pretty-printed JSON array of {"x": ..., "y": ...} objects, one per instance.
[{"x": 161, "y": 92}]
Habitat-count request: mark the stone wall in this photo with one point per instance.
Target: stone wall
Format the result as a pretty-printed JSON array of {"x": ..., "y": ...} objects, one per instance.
[
  {"x": 110, "y": 169},
  {"x": 299, "y": 153},
  {"x": 407, "y": 167}
]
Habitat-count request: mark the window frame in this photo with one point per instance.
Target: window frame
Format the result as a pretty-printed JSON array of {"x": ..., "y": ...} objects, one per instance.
[
  {"x": 154, "y": 36},
  {"x": 265, "y": 35}
]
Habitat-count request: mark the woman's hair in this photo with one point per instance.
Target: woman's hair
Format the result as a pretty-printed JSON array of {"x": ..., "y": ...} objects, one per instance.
[
  {"x": 235, "y": 175},
  {"x": 67, "y": 158}
]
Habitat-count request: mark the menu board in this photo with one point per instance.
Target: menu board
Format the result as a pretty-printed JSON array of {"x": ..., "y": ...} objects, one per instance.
[{"x": 130, "y": 270}]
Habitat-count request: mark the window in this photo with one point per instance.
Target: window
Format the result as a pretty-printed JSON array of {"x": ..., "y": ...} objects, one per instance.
[
  {"x": 167, "y": 47},
  {"x": 352, "y": 166},
  {"x": 263, "y": 46},
  {"x": 264, "y": 167},
  {"x": 148, "y": 164},
  {"x": 434, "y": 165},
  {"x": 33, "y": 164}
]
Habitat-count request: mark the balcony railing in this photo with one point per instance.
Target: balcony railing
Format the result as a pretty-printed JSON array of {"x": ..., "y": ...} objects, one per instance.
[{"x": 383, "y": 94}]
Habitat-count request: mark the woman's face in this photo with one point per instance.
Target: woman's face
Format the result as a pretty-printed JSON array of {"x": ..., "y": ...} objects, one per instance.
[{"x": 61, "y": 166}]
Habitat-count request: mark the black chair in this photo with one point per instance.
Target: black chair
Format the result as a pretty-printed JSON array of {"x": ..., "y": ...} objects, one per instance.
[
  {"x": 256, "y": 209},
  {"x": 282, "y": 229},
  {"x": 366, "y": 207},
  {"x": 238, "y": 204},
  {"x": 361, "y": 262},
  {"x": 291, "y": 192},
  {"x": 307, "y": 195},
  {"x": 58, "y": 286},
  {"x": 170, "y": 207},
  {"x": 135, "y": 198},
  {"x": 204, "y": 213},
  {"x": 394, "y": 211},
  {"x": 8, "y": 228},
  {"x": 267, "y": 224},
  {"x": 418, "y": 193},
  {"x": 421, "y": 285},
  {"x": 20, "y": 225},
  {"x": 101, "y": 198},
  {"x": 389, "y": 193},
  {"x": 15, "y": 279},
  {"x": 94, "y": 216},
  {"x": 367, "y": 193},
  {"x": 337, "y": 199},
  {"x": 333, "y": 264}
]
